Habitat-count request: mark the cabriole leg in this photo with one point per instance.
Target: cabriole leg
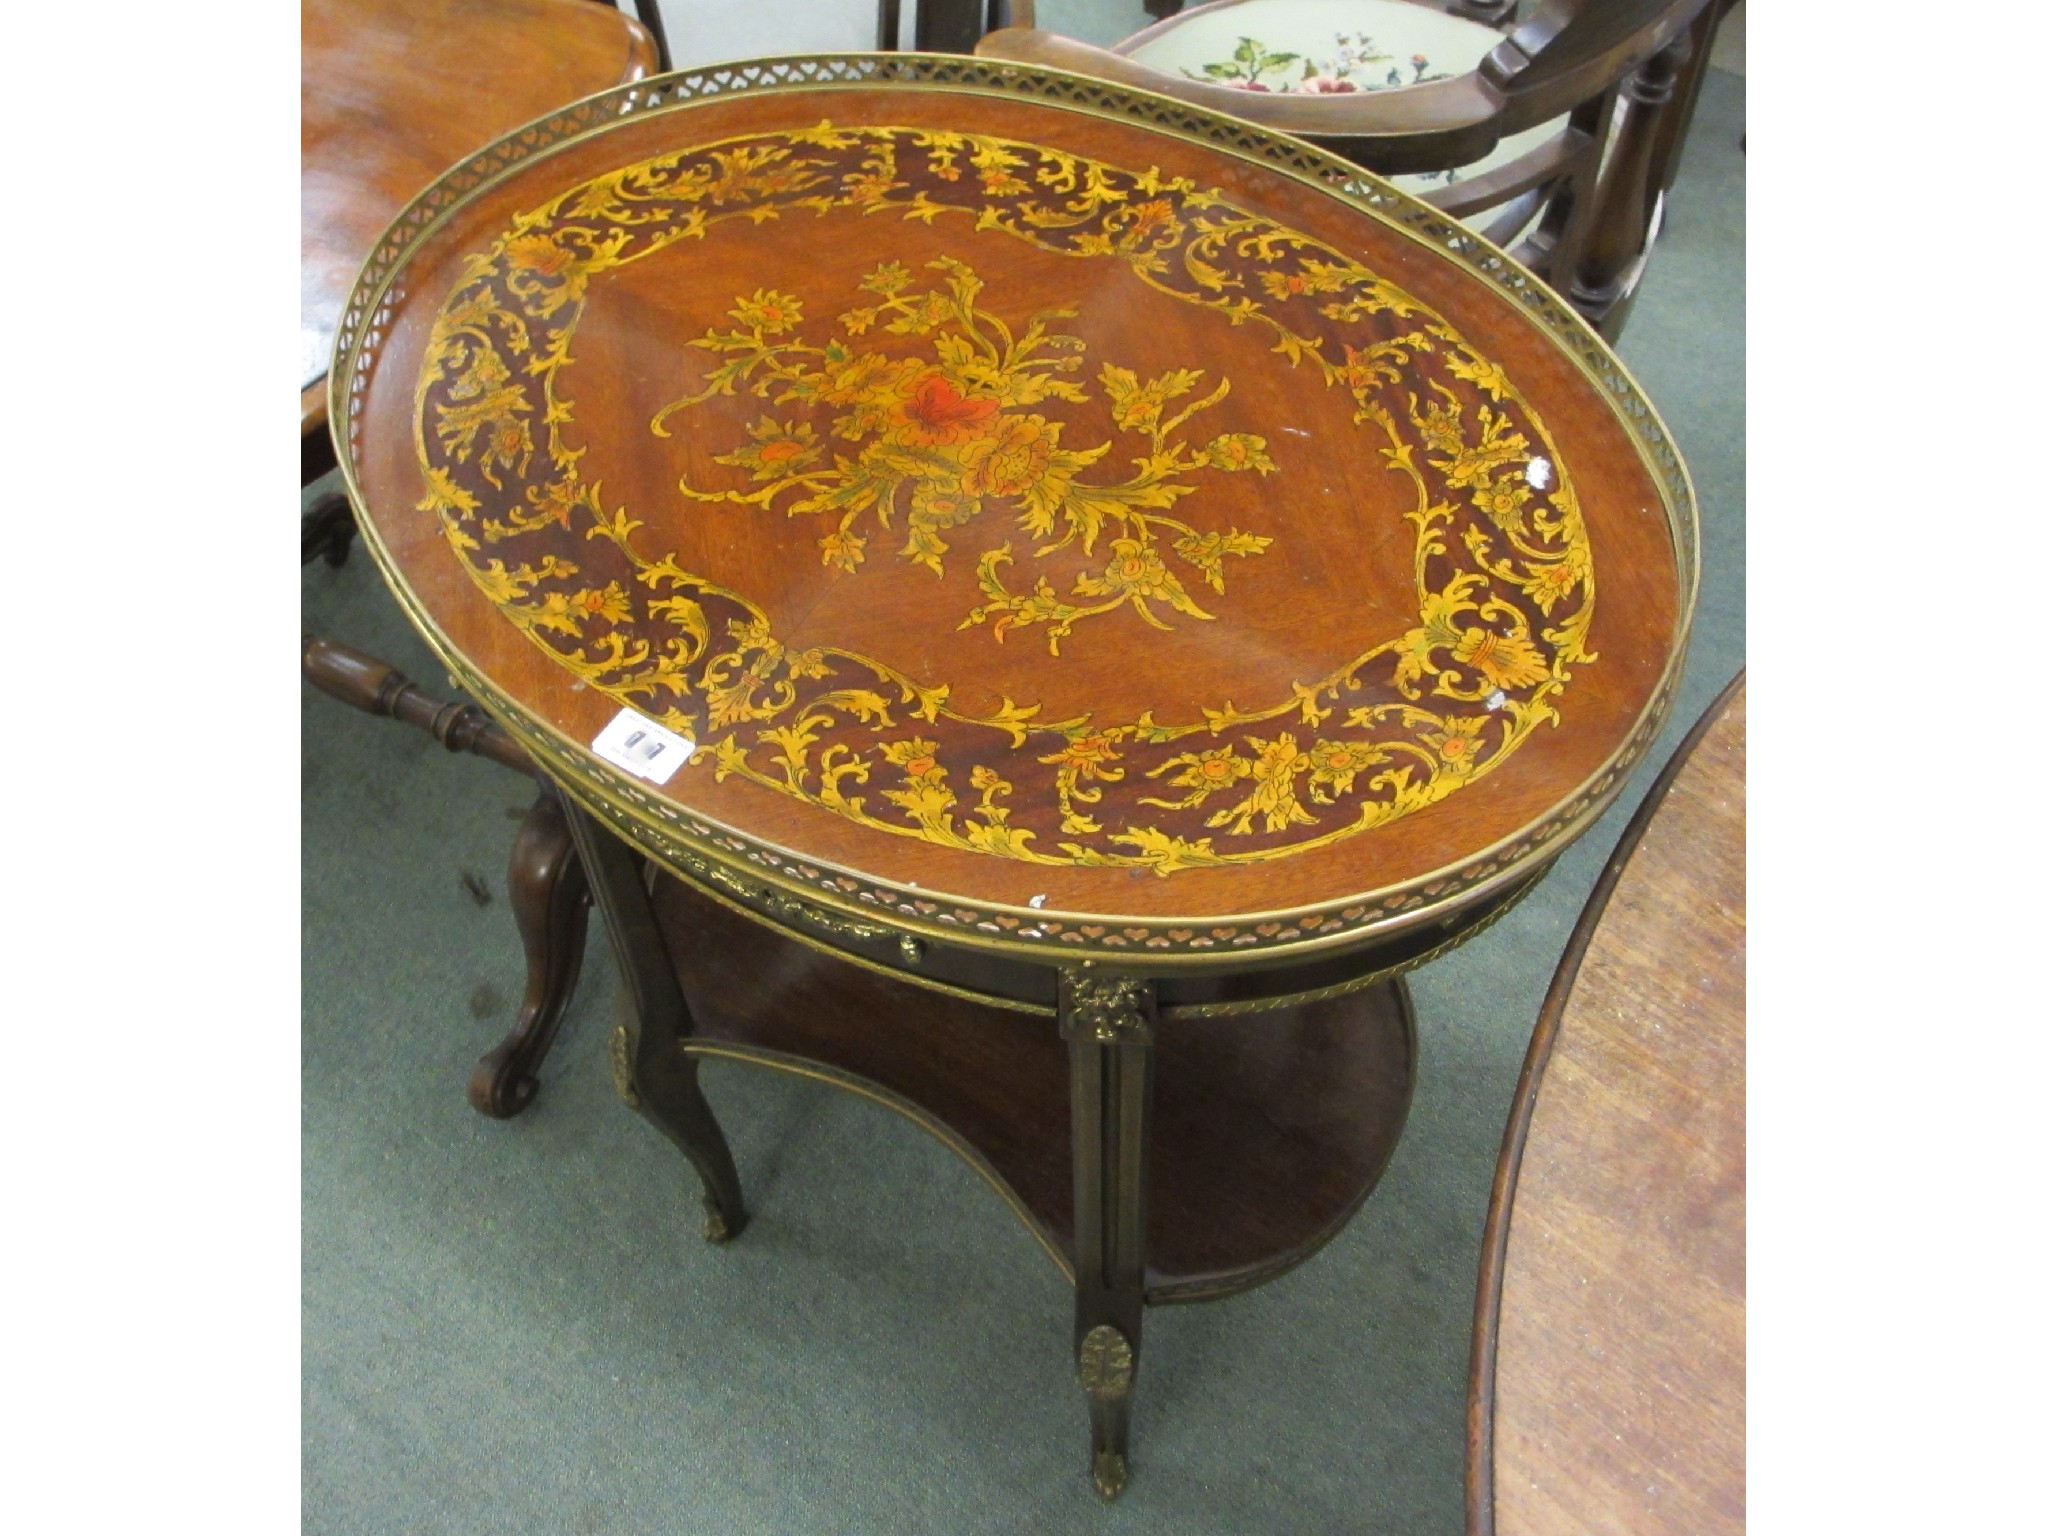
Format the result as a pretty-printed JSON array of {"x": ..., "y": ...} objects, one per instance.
[
  {"x": 653, "y": 1074},
  {"x": 1107, "y": 1022},
  {"x": 551, "y": 903},
  {"x": 326, "y": 529}
]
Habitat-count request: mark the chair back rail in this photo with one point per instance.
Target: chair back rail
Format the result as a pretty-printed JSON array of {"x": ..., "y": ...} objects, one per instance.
[{"x": 1569, "y": 50}]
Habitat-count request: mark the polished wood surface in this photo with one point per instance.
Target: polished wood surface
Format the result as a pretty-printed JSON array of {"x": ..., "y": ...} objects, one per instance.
[
  {"x": 393, "y": 92},
  {"x": 1268, "y": 695},
  {"x": 1268, "y": 1132},
  {"x": 1608, "y": 1366}
]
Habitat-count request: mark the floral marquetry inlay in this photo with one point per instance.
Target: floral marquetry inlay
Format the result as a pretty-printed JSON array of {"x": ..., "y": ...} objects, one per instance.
[
  {"x": 890, "y": 410},
  {"x": 932, "y": 440}
]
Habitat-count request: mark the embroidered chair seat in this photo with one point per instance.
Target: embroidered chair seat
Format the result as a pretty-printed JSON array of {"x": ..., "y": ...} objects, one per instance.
[{"x": 1334, "y": 47}]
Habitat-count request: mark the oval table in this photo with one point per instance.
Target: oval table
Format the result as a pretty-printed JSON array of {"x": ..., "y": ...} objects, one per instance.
[
  {"x": 1607, "y": 1366},
  {"x": 1044, "y": 602}
]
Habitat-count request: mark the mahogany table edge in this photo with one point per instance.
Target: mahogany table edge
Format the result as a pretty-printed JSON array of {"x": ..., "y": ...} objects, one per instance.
[{"x": 1493, "y": 1245}]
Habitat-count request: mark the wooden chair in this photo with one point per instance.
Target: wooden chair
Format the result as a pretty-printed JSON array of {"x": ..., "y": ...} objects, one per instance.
[
  {"x": 545, "y": 886},
  {"x": 1557, "y": 137}
]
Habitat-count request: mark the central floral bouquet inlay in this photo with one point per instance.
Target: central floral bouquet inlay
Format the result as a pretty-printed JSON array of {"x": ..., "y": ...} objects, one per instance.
[{"x": 928, "y": 443}]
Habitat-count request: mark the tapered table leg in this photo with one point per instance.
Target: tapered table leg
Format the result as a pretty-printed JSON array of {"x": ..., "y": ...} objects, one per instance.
[
  {"x": 1107, "y": 1021},
  {"x": 652, "y": 1072},
  {"x": 551, "y": 903}
]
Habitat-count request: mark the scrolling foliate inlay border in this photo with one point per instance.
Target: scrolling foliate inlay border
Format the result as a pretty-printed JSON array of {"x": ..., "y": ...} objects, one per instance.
[
  {"x": 687, "y": 841},
  {"x": 1502, "y": 567},
  {"x": 715, "y": 856}
]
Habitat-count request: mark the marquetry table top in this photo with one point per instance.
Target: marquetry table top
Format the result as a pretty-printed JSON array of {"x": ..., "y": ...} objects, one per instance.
[
  {"x": 1046, "y": 512},
  {"x": 1608, "y": 1377},
  {"x": 393, "y": 92}
]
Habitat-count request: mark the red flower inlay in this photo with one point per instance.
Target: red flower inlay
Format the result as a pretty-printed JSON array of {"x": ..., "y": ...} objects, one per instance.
[{"x": 937, "y": 412}]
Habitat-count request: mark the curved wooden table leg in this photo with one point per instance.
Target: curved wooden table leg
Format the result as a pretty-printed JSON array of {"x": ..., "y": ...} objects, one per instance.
[
  {"x": 326, "y": 529},
  {"x": 551, "y": 903},
  {"x": 653, "y": 1074},
  {"x": 1107, "y": 1022},
  {"x": 550, "y": 896}
]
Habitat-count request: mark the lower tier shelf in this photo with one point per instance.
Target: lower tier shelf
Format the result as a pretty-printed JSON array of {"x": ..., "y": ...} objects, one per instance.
[{"x": 1269, "y": 1129}]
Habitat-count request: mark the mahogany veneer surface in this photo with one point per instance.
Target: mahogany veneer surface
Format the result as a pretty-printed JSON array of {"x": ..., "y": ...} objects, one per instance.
[
  {"x": 804, "y": 420},
  {"x": 393, "y": 92},
  {"x": 1616, "y": 1373}
]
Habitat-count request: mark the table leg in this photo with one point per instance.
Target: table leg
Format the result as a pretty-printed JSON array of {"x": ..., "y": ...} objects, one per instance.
[
  {"x": 653, "y": 1074},
  {"x": 551, "y": 903},
  {"x": 1107, "y": 1021},
  {"x": 326, "y": 529}
]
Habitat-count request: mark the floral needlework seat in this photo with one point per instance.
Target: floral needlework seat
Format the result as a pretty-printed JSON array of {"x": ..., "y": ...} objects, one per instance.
[{"x": 1332, "y": 47}]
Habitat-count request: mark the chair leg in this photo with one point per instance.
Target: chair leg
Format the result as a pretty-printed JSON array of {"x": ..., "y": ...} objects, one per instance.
[
  {"x": 1490, "y": 13},
  {"x": 1601, "y": 283},
  {"x": 1107, "y": 1022},
  {"x": 551, "y": 903},
  {"x": 650, "y": 1069},
  {"x": 326, "y": 529}
]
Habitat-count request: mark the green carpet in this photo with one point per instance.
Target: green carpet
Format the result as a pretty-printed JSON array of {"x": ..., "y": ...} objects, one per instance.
[{"x": 514, "y": 1327}]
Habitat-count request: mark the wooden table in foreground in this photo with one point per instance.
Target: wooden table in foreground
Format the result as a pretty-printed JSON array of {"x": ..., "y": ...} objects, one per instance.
[
  {"x": 1607, "y": 1391},
  {"x": 1124, "y": 585}
]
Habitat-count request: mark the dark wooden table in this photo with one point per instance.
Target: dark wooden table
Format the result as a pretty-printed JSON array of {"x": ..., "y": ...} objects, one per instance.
[
  {"x": 1121, "y": 588},
  {"x": 1608, "y": 1364}
]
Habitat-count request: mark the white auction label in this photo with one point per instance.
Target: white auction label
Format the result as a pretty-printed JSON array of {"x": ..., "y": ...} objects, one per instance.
[{"x": 638, "y": 745}]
